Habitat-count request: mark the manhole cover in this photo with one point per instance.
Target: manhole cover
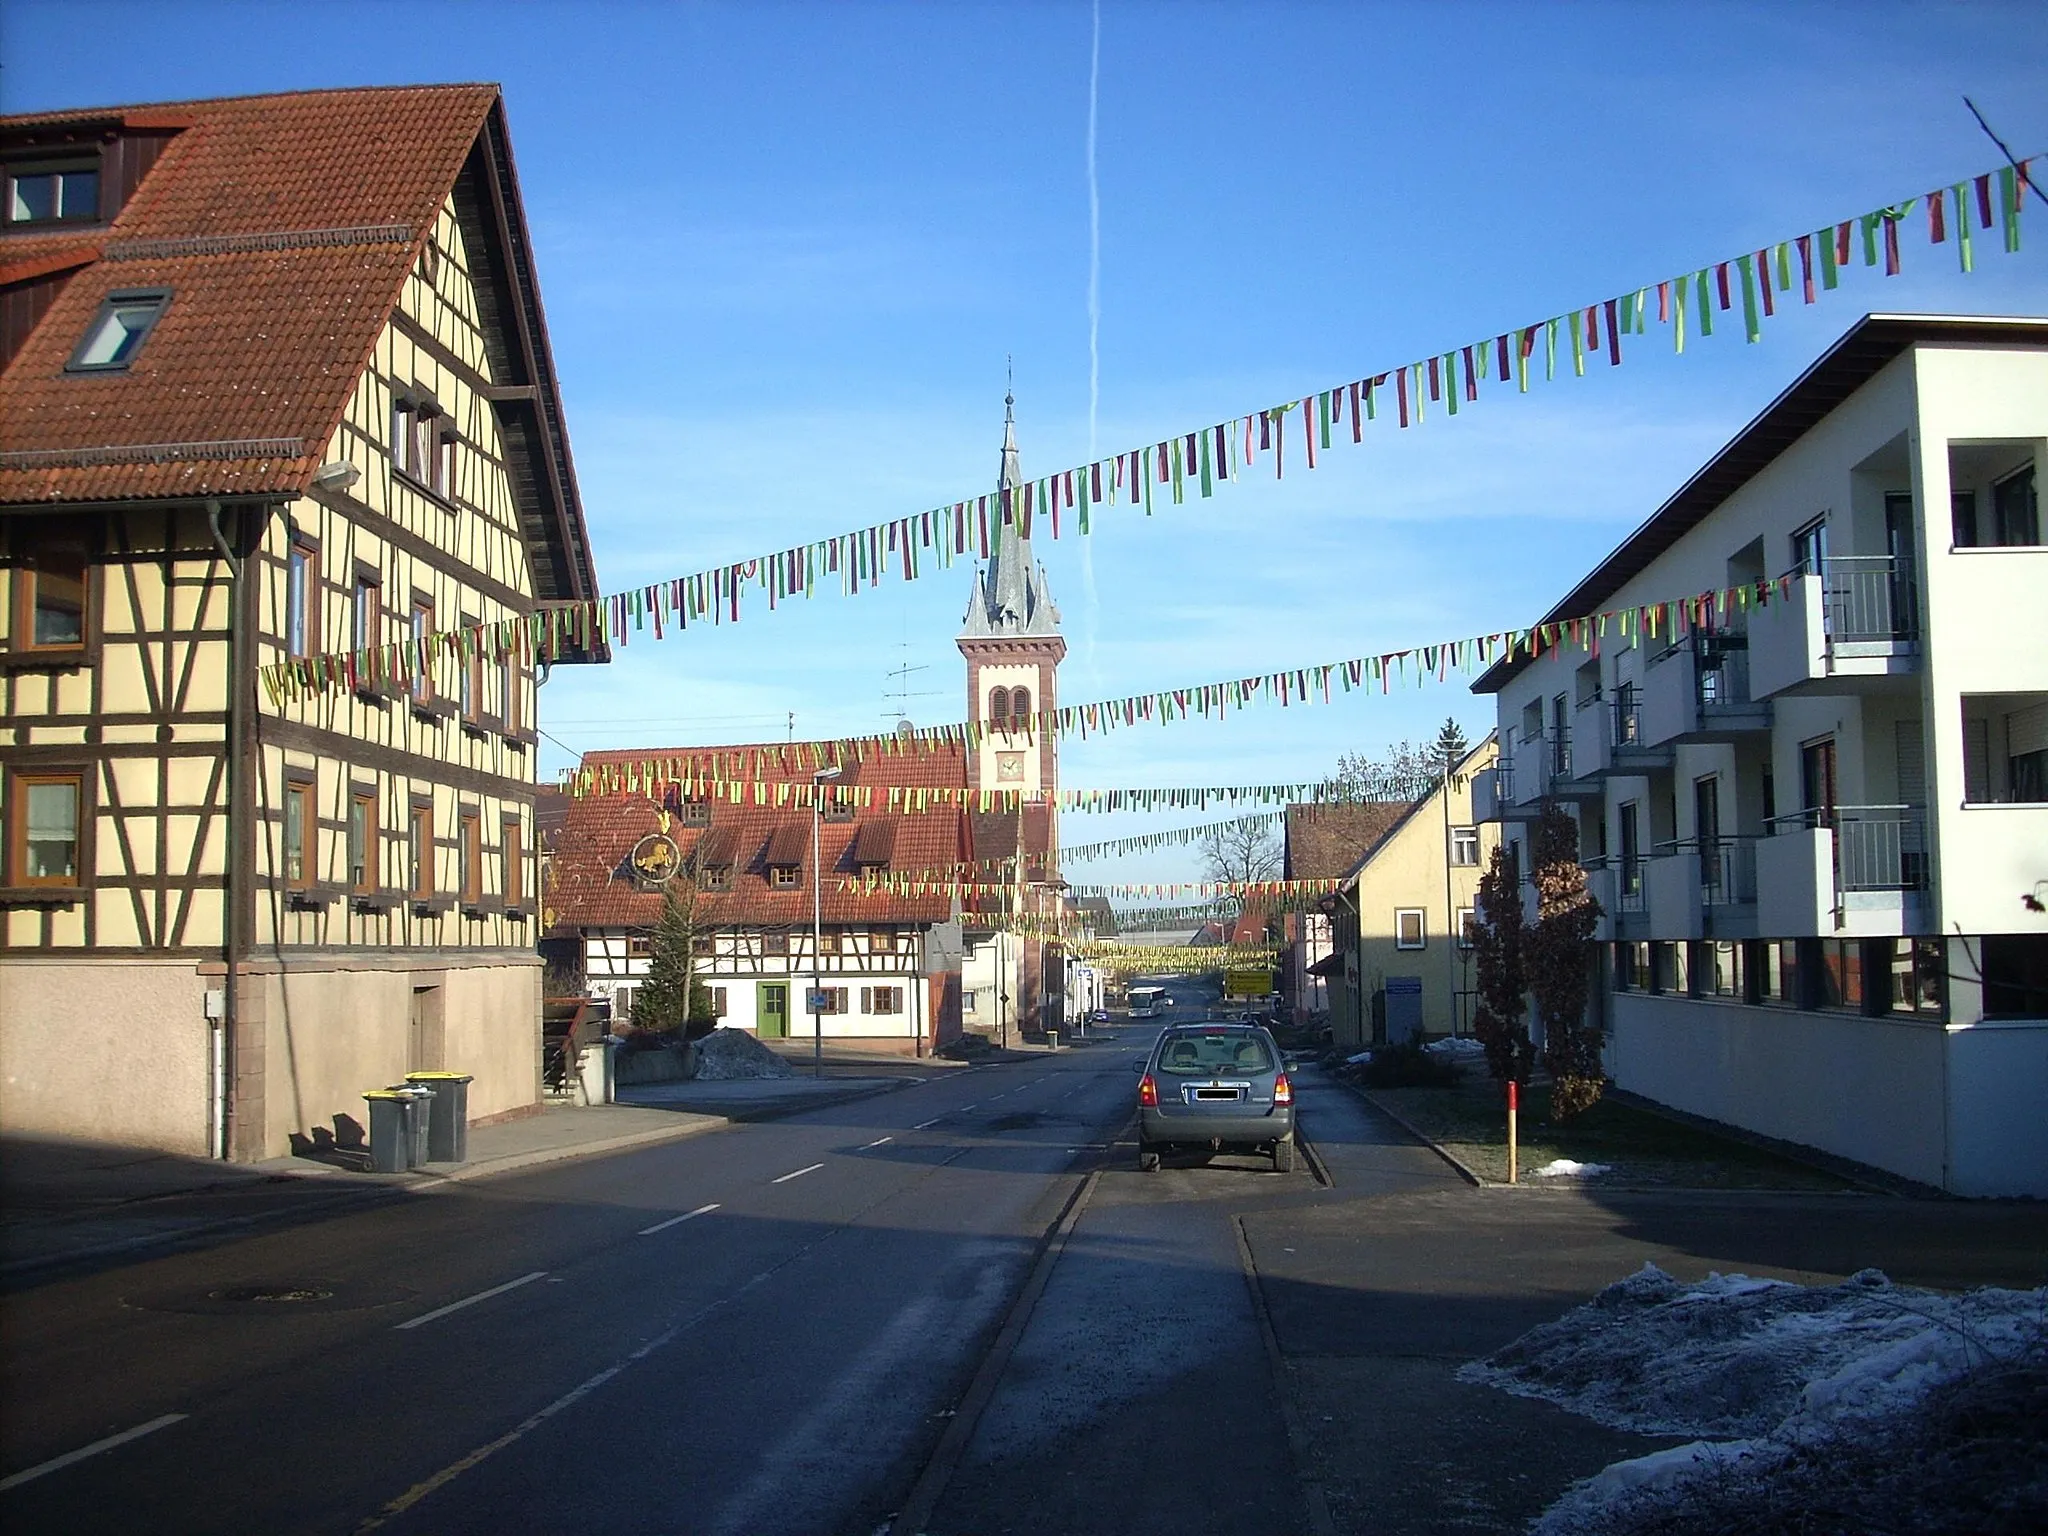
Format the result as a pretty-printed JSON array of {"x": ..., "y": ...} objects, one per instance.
[
  {"x": 292, "y": 1295},
  {"x": 272, "y": 1293}
]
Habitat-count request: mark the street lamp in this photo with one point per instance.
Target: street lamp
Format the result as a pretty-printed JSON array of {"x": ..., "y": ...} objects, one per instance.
[{"x": 819, "y": 780}]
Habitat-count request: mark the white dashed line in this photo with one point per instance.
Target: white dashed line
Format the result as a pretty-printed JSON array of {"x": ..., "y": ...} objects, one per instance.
[
  {"x": 470, "y": 1301},
  {"x": 71, "y": 1458},
  {"x": 925, "y": 1125},
  {"x": 663, "y": 1226},
  {"x": 798, "y": 1174},
  {"x": 878, "y": 1141}
]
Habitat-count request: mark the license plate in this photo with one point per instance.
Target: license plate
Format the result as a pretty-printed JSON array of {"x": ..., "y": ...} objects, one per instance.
[{"x": 1228, "y": 1095}]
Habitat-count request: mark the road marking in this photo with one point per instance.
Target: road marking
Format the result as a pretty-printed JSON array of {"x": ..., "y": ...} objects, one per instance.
[
  {"x": 470, "y": 1301},
  {"x": 663, "y": 1226},
  {"x": 1003, "y": 1095},
  {"x": 798, "y": 1174},
  {"x": 878, "y": 1141},
  {"x": 925, "y": 1125},
  {"x": 71, "y": 1458},
  {"x": 965, "y": 1107}
]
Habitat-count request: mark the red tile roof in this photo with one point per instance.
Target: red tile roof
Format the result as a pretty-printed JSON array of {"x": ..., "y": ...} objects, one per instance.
[
  {"x": 283, "y": 227},
  {"x": 1325, "y": 842},
  {"x": 595, "y": 886}
]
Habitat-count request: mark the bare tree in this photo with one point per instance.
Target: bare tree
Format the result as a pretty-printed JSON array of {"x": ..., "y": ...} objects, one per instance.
[
  {"x": 1405, "y": 771},
  {"x": 1241, "y": 851}
]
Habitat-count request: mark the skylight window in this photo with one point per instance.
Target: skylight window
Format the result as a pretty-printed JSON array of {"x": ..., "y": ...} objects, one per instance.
[
  {"x": 119, "y": 330},
  {"x": 48, "y": 194}
]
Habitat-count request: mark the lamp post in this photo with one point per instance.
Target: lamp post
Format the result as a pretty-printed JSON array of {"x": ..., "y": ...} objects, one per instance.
[{"x": 819, "y": 780}]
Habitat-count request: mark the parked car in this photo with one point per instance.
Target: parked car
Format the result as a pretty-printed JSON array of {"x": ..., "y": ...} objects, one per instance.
[
  {"x": 1099, "y": 1016},
  {"x": 1215, "y": 1087}
]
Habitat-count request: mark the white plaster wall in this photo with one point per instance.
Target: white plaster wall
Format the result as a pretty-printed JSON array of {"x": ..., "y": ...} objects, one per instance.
[
  {"x": 108, "y": 1051},
  {"x": 1997, "y": 1084},
  {"x": 1867, "y": 1089}
]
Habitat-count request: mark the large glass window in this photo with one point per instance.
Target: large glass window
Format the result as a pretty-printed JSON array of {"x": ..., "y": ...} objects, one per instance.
[
  {"x": 1722, "y": 967},
  {"x": 362, "y": 841},
  {"x": 2015, "y": 515},
  {"x": 1841, "y": 973},
  {"x": 2005, "y": 748},
  {"x": 300, "y": 831},
  {"x": 1918, "y": 976},
  {"x": 118, "y": 331},
  {"x": 302, "y": 596},
  {"x": 2016, "y": 976},
  {"x": 49, "y": 193},
  {"x": 419, "y": 852}
]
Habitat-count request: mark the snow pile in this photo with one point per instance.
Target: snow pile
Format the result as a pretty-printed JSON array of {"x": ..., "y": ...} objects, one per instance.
[
  {"x": 1773, "y": 1379},
  {"x": 729, "y": 1053},
  {"x": 1565, "y": 1168},
  {"x": 1456, "y": 1048}
]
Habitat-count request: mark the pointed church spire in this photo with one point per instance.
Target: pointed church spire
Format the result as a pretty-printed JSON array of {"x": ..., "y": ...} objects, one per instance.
[{"x": 1011, "y": 598}]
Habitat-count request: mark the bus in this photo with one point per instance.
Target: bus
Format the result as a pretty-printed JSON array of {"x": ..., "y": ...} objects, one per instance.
[{"x": 1148, "y": 1002}]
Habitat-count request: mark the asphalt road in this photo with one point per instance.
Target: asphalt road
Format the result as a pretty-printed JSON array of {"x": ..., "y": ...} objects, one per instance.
[{"x": 760, "y": 1330}]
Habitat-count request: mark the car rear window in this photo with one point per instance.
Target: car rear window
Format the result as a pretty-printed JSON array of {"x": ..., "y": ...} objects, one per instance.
[{"x": 1210, "y": 1055}]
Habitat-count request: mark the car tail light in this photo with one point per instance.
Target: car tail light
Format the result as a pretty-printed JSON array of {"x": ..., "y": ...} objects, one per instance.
[
  {"x": 1148, "y": 1091},
  {"x": 1283, "y": 1090}
]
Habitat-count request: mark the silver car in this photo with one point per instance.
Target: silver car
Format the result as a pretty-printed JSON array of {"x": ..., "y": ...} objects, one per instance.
[{"x": 1216, "y": 1087}]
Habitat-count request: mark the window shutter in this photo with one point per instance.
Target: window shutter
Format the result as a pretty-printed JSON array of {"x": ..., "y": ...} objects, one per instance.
[{"x": 2026, "y": 730}]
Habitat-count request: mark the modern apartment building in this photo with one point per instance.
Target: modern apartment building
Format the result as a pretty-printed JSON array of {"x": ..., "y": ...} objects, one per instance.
[
  {"x": 1817, "y": 819},
  {"x": 276, "y": 383}
]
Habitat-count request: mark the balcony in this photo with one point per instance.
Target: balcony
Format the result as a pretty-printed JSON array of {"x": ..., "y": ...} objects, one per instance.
[
  {"x": 1699, "y": 892},
  {"x": 1699, "y": 691},
  {"x": 1493, "y": 791},
  {"x": 1851, "y": 628},
  {"x": 1866, "y": 875},
  {"x": 1629, "y": 752}
]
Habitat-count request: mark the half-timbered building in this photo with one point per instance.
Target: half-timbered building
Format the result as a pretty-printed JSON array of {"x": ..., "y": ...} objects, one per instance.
[{"x": 276, "y": 383}]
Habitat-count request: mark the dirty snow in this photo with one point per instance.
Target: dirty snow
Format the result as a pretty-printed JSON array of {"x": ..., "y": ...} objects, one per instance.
[
  {"x": 1565, "y": 1168},
  {"x": 1457, "y": 1047},
  {"x": 1755, "y": 1369},
  {"x": 730, "y": 1053}
]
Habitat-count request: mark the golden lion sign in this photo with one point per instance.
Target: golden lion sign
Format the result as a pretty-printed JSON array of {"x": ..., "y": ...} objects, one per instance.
[{"x": 655, "y": 858}]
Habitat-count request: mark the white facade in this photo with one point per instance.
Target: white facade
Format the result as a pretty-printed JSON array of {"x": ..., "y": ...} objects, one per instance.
[
  {"x": 759, "y": 979},
  {"x": 1812, "y": 828}
]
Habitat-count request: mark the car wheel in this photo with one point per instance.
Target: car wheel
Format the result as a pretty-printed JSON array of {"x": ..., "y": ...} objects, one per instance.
[
  {"x": 1283, "y": 1155},
  {"x": 1148, "y": 1158}
]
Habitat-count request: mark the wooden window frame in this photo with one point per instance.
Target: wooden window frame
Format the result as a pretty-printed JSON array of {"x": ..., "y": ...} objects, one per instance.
[
  {"x": 420, "y": 621},
  {"x": 470, "y": 841},
  {"x": 715, "y": 877},
  {"x": 882, "y": 941},
  {"x": 366, "y": 602},
  {"x": 26, "y": 582},
  {"x": 301, "y": 569},
  {"x": 882, "y": 1001},
  {"x": 775, "y": 941},
  {"x": 1472, "y": 833},
  {"x": 784, "y": 877},
  {"x": 419, "y": 849},
  {"x": 19, "y": 782},
  {"x": 512, "y": 858},
  {"x": 366, "y": 880},
  {"x": 829, "y": 941},
  {"x": 470, "y": 703},
  {"x": 303, "y": 791},
  {"x": 639, "y": 946}
]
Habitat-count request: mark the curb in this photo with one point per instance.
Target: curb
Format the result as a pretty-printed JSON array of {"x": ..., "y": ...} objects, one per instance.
[
  {"x": 1427, "y": 1140},
  {"x": 425, "y": 1184}
]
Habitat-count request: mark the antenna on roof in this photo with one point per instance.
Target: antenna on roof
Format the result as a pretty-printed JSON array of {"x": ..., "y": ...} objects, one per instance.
[{"x": 901, "y": 693}]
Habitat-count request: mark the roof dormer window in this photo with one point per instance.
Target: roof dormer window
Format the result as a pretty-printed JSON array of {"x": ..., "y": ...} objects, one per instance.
[
  {"x": 118, "y": 331},
  {"x": 53, "y": 192}
]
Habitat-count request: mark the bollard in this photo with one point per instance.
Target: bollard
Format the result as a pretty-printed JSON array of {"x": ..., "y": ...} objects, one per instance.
[{"x": 1514, "y": 1103}]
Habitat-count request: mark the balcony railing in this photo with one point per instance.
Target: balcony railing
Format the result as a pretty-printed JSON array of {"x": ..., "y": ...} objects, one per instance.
[
  {"x": 1722, "y": 680},
  {"x": 1628, "y": 720},
  {"x": 1877, "y": 847},
  {"x": 1869, "y": 598},
  {"x": 1726, "y": 868}
]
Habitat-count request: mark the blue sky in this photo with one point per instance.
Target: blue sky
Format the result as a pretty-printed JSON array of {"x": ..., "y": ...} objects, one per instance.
[{"x": 785, "y": 250}]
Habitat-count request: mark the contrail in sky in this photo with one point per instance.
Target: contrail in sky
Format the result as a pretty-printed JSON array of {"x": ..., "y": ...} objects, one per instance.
[{"x": 1094, "y": 315}]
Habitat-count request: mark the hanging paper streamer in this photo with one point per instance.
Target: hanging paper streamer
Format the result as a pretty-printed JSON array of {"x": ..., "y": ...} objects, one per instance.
[
  {"x": 1671, "y": 619},
  {"x": 974, "y": 527}
]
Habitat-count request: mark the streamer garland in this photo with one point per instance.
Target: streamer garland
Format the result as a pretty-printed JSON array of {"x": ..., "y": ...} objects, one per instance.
[
  {"x": 1672, "y": 619},
  {"x": 1206, "y": 456}
]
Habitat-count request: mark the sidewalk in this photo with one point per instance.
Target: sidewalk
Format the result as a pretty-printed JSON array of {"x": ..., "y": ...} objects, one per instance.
[{"x": 66, "y": 1202}]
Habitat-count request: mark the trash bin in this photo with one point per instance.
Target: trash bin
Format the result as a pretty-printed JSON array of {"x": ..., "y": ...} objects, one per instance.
[
  {"x": 447, "y": 1116},
  {"x": 417, "y": 1104},
  {"x": 391, "y": 1111},
  {"x": 594, "y": 1072},
  {"x": 1052, "y": 1039}
]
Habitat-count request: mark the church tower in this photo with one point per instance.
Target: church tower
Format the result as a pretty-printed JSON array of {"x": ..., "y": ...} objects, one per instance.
[{"x": 1011, "y": 640}]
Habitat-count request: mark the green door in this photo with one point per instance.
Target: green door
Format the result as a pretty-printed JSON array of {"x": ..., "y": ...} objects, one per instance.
[{"x": 774, "y": 1010}]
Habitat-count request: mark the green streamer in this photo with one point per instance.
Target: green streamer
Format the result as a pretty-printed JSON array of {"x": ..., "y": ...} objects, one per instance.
[
  {"x": 1962, "y": 205},
  {"x": 1706, "y": 305},
  {"x": 2009, "y": 207},
  {"x": 1868, "y": 223},
  {"x": 1829, "y": 277},
  {"x": 1751, "y": 327}
]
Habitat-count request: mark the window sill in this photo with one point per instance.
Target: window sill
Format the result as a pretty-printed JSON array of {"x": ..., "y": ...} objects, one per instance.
[
  {"x": 42, "y": 895},
  {"x": 517, "y": 914},
  {"x": 1994, "y": 549},
  {"x": 489, "y": 906},
  {"x": 376, "y": 901},
  {"x": 424, "y": 489},
  {"x": 476, "y": 730},
  {"x": 312, "y": 898},
  {"x": 432, "y": 906},
  {"x": 2005, "y": 805},
  {"x": 376, "y": 693},
  {"x": 53, "y": 658},
  {"x": 433, "y": 711}
]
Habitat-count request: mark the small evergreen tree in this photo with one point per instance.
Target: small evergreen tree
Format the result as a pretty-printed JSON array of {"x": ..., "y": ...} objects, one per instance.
[
  {"x": 1449, "y": 745},
  {"x": 1500, "y": 1015},
  {"x": 1557, "y": 954},
  {"x": 667, "y": 999}
]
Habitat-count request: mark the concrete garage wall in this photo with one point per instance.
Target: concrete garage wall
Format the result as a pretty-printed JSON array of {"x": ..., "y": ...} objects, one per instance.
[
  {"x": 1997, "y": 1087},
  {"x": 323, "y": 1037},
  {"x": 1867, "y": 1089},
  {"x": 116, "y": 1053}
]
